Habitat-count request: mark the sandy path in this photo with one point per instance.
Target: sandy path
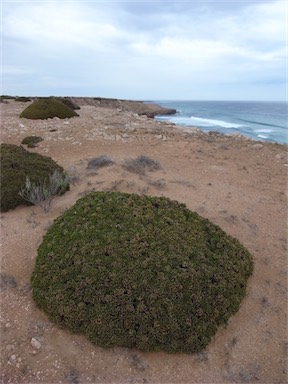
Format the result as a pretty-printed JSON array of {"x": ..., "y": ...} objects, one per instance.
[{"x": 237, "y": 183}]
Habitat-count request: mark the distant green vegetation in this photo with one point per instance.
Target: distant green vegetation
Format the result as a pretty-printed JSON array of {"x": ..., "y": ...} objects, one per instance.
[
  {"x": 48, "y": 108},
  {"x": 139, "y": 272},
  {"x": 22, "y": 98},
  {"x": 16, "y": 98},
  {"x": 3, "y": 97},
  {"x": 16, "y": 165}
]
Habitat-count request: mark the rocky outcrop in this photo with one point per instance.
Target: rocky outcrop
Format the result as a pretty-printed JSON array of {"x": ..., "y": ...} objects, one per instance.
[{"x": 139, "y": 107}]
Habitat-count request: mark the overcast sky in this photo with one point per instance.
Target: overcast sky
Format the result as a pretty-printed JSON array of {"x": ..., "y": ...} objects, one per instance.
[{"x": 156, "y": 50}]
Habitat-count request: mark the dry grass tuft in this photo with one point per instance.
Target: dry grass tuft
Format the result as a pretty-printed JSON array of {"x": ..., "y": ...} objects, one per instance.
[
  {"x": 99, "y": 162},
  {"x": 141, "y": 164}
]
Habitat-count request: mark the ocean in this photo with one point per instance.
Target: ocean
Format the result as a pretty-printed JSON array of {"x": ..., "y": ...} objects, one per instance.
[{"x": 266, "y": 121}]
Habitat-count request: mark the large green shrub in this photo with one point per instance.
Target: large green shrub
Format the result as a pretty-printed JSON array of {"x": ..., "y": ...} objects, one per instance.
[
  {"x": 48, "y": 108},
  {"x": 16, "y": 165},
  {"x": 138, "y": 271}
]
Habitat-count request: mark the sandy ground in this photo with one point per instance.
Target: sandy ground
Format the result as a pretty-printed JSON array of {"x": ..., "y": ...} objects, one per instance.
[{"x": 237, "y": 183}]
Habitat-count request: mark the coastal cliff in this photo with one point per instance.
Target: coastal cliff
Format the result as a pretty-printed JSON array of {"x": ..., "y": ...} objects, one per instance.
[{"x": 139, "y": 107}]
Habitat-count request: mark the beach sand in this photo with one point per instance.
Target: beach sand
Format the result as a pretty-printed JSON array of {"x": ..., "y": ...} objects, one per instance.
[{"x": 238, "y": 184}]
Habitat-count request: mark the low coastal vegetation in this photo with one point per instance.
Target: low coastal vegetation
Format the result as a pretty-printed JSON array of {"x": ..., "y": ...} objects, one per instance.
[
  {"x": 47, "y": 108},
  {"x": 140, "y": 272},
  {"x": 31, "y": 141},
  {"x": 43, "y": 193},
  {"x": 99, "y": 162},
  {"x": 19, "y": 165},
  {"x": 22, "y": 99},
  {"x": 141, "y": 164}
]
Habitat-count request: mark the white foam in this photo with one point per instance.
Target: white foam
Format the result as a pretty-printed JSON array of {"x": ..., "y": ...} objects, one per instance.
[
  {"x": 264, "y": 130},
  {"x": 211, "y": 122},
  {"x": 177, "y": 120}
]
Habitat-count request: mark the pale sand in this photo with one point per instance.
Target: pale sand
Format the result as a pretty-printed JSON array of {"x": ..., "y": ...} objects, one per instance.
[{"x": 237, "y": 183}]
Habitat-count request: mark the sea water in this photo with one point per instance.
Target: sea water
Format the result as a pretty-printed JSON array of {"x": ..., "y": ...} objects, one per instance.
[{"x": 267, "y": 121}]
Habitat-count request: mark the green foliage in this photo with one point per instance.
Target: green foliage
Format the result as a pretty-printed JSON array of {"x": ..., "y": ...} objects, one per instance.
[
  {"x": 139, "y": 272},
  {"x": 31, "y": 141},
  {"x": 47, "y": 108},
  {"x": 16, "y": 98},
  {"x": 16, "y": 165},
  {"x": 22, "y": 98},
  {"x": 7, "y": 97}
]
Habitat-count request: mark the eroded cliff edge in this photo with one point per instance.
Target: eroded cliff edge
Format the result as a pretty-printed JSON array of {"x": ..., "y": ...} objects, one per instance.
[{"x": 139, "y": 107}]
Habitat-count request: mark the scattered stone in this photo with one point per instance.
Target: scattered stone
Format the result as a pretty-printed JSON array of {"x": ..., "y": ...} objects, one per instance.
[
  {"x": 35, "y": 343},
  {"x": 257, "y": 146},
  {"x": 280, "y": 156},
  {"x": 12, "y": 358},
  {"x": 37, "y": 328},
  {"x": 9, "y": 347}
]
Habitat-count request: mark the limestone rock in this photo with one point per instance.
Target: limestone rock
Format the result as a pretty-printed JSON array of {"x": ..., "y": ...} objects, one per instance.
[{"x": 35, "y": 343}]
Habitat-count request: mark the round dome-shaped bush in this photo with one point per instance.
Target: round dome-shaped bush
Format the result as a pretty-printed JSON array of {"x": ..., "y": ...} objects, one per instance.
[
  {"x": 47, "y": 108},
  {"x": 16, "y": 165},
  {"x": 140, "y": 272}
]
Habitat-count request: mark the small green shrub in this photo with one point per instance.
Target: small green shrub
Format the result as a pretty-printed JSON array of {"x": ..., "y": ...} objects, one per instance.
[
  {"x": 16, "y": 165},
  {"x": 47, "y": 108},
  {"x": 139, "y": 272},
  {"x": 31, "y": 141}
]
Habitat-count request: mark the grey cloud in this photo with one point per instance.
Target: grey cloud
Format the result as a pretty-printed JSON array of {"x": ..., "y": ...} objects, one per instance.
[{"x": 142, "y": 49}]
